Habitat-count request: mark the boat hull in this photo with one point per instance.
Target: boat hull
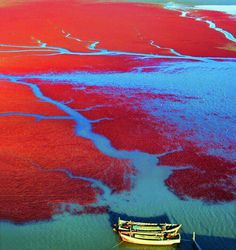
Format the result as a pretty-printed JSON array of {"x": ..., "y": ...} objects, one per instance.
[{"x": 166, "y": 242}]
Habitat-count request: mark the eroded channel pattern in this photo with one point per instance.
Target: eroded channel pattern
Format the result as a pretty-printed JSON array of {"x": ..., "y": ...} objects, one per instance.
[{"x": 82, "y": 107}]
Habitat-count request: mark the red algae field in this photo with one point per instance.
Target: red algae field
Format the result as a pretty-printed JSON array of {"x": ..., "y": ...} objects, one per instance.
[{"x": 115, "y": 108}]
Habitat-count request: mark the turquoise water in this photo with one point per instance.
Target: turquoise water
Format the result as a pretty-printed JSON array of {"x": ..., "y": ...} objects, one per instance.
[{"x": 94, "y": 231}]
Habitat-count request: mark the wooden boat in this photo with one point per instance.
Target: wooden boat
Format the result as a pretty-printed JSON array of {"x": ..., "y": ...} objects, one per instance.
[
  {"x": 160, "y": 228},
  {"x": 148, "y": 233},
  {"x": 152, "y": 239}
]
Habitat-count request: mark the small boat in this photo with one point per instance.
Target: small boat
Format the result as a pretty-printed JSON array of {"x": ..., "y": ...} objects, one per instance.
[
  {"x": 156, "y": 228},
  {"x": 151, "y": 239}
]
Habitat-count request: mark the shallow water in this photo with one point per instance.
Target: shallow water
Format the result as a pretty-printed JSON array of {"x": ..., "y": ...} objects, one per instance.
[
  {"x": 149, "y": 198},
  {"x": 95, "y": 231}
]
